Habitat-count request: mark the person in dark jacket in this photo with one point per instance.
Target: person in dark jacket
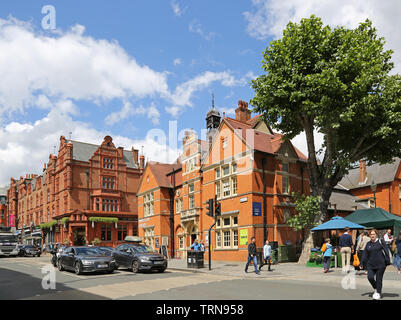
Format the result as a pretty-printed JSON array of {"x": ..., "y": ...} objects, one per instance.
[
  {"x": 252, "y": 256},
  {"x": 374, "y": 260},
  {"x": 346, "y": 250}
]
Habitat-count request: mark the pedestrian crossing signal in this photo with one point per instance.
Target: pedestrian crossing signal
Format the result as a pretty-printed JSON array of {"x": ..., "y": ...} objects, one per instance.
[{"x": 217, "y": 209}]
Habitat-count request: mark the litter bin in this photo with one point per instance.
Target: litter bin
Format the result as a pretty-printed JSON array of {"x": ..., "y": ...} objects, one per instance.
[
  {"x": 274, "y": 256},
  {"x": 195, "y": 259}
]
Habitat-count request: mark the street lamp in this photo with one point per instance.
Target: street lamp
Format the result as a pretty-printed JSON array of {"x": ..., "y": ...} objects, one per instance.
[{"x": 373, "y": 187}]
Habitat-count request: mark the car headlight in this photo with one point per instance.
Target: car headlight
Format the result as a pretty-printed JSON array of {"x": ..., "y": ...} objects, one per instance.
[
  {"x": 87, "y": 262},
  {"x": 145, "y": 259}
]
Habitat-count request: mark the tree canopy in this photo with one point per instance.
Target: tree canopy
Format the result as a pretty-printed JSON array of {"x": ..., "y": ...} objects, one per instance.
[{"x": 335, "y": 81}]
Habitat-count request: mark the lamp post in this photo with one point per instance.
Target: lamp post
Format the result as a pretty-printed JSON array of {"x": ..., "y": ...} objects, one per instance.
[{"x": 373, "y": 187}]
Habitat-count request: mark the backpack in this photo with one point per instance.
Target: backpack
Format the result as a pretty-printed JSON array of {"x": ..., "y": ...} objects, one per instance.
[
  {"x": 324, "y": 247},
  {"x": 388, "y": 258}
]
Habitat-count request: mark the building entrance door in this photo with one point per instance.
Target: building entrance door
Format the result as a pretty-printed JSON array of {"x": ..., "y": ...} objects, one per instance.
[{"x": 79, "y": 237}]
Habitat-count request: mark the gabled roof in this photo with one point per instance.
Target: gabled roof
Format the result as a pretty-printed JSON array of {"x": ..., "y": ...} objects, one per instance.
[
  {"x": 345, "y": 201},
  {"x": 378, "y": 173},
  {"x": 84, "y": 151},
  {"x": 264, "y": 142},
  {"x": 161, "y": 172}
]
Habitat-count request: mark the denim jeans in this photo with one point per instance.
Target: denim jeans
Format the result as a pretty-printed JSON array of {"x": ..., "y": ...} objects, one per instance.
[
  {"x": 397, "y": 261},
  {"x": 255, "y": 263},
  {"x": 375, "y": 277},
  {"x": 326, "y": 263}
]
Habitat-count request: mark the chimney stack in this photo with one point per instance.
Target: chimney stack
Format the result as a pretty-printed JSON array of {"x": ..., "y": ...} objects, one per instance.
[
  {"x": 242, "y": 113},
  {"x": 362, "y": 172},
  {"x": 142, "y": 162},
  {"x": 135, "y": 154}
]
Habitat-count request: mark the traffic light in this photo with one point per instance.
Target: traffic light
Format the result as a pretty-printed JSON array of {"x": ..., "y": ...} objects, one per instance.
[
  {"x": 217, "y": 208},
  {"x": 209, "y": 208}
]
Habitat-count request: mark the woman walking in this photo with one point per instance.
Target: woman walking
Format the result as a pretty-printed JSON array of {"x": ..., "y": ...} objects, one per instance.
[
  {"x": 374, "y": 260},
  {"x": 397, "y": 255},
  {"x": 327, "y": 249}
]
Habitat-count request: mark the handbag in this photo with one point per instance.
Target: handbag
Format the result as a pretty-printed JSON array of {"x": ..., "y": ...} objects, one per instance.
[
  {"x": 356, "y": 262},
  {"x": 387, "y": 257}
]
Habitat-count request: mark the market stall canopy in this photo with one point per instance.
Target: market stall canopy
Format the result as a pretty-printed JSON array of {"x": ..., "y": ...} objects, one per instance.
[
  {"x": 377, "y": 218},
  {"x": 337, "y": 223}
]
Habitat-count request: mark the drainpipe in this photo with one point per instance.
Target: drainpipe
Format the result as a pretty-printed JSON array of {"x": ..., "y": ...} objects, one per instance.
[
  {"x": 389, "y": 197},
  {"x": 264, "y": 202}
]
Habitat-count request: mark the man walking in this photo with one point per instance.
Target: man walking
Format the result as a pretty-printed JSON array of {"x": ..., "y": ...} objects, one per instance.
[
  {"x": 252, "y": 256},
  {"x": 346, "y": 250},
  {"x": 388, "y": 238},
  {"x": 267, "y": 250}
]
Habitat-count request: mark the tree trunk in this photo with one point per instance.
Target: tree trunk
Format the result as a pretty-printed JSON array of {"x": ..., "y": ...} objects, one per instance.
[{"x": 306, "y": 246}]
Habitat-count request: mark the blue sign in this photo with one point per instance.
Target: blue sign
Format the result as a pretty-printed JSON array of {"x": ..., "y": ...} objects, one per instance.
[{"x": 257, "y": 209}]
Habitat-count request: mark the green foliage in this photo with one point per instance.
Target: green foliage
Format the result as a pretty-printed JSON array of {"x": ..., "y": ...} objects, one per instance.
[
  {"x": 337, "y": 82},
  {"x": 103, "y": 219},
  {"x": 48, "y": 225},
  {"x": 64, "y": 220},
  {"x": 307, "y": 208},
  {"x": 96, "y": 241}
]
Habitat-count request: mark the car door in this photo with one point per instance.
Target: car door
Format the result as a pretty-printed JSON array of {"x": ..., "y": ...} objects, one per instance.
[
  {"x": 63, "y": 259},
  {"x": 69, "y": 256},
  {"x": 119, "y": 255}
]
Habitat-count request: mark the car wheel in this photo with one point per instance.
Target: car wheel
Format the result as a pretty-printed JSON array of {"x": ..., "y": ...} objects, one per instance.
[
  {"x": 110, "y": 271},
  {"x": 60, "y": 266},
  {"x": 161, "y": 270},
  {"x": 78, "y": 268},
  {"x": 135, "y": 266}
]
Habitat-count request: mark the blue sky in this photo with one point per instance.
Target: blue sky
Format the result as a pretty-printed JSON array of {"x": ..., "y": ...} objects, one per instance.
[{"x": 123, "y": 68}]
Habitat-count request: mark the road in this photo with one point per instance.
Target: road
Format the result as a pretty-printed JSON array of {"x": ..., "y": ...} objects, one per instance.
[{"x": 22, "y": 278}]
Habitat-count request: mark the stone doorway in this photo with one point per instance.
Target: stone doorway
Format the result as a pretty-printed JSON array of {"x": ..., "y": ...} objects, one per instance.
[{"x": 79, "y": 237}]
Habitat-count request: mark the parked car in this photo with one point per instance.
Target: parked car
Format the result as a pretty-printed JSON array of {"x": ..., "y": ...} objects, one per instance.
[
  {"x": 85, "y": 259},
  {"x": 108, "y": 251},
  {"x": 139, "y": 257},
  {"x": 29, "y": 250},
  {"x": 20, "y": 250}
]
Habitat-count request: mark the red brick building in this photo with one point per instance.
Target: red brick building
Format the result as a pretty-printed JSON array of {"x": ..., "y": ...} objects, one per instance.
[
  {"x": 85, "y": 192},
  {"x": 3, "y": 208},
  {"x": 251, "y": 169}
]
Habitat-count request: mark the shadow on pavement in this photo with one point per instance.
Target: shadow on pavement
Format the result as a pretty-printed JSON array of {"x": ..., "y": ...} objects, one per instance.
[
  {"x": 383, "y": 295},
  {"x": 17, "y": 285}
]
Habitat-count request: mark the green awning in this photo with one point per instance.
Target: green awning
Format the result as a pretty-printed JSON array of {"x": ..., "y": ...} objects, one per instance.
[{"x": 377, "y": 218}]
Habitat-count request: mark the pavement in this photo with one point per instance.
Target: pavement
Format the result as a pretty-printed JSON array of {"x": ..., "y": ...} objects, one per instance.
[{"x": 284, "y": 271}]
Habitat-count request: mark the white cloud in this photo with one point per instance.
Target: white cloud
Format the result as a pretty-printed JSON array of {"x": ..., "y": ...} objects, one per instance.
[
  {"x": 196, "y": 27},
  {"x": 177, "y": 61},
  {"x": 300, "y": 142},
  {"x": 178, "y": 11},
  {"x": 37, "y": 68},
  {"x": 128, "y": 110},
  {"x": 270, "y": 17}
]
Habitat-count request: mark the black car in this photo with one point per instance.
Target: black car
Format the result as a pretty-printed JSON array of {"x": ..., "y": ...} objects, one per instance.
[
  {"x": 56, "y": 252},
  {"x": 29, "y": 250},
  {"x": 108, "y": 251},
  {"x": 139, "y": 257},
  {"x": 85, "y": 259}
]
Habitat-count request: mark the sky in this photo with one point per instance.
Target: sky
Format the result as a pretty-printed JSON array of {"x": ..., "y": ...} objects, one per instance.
[{"x": 142, "y": 72}]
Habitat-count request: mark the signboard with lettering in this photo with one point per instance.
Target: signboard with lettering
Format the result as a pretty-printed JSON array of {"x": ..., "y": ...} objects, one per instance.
[
  {"x": 243, "y": 237},
  {"x": 256, "y": 209}
]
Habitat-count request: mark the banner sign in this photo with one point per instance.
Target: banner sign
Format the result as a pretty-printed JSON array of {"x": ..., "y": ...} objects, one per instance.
[
  {"x": 257, "y": 209},
  {"x": 243, "y": 237}
]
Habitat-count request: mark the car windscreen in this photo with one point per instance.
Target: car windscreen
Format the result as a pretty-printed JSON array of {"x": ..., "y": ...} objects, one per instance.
[
  {"x": 88, "y": 251},
  {"x": 29, "y": 247},
  {"x": 143, "y": 249},
  {"x": 8, "y": 238}
]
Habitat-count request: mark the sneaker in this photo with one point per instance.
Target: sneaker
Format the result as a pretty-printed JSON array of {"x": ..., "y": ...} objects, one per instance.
[
  {"x": 258, "y": 273},
  {"x": 376, "y": 296},
  {"x": 246, "y": 271}
]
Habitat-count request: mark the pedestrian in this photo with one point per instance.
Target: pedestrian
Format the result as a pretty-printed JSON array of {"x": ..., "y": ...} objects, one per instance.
[
  {"x": 374, "y": 259},
  {"x": 267, "y": 251},
  {"x": 363, "y": 240},
  {"x": 345, "y": 244},
  {"x": 44, "y": 249},
  {"x": 397, "y": 255},
  {"x": 252, "y": 256},
  {"x": 195, "y": 246},
  {"x": 388, "y": 238},
  {"x": 327, "y": 250}
]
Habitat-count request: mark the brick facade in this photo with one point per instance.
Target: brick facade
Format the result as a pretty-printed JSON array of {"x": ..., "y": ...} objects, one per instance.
[{"x": 83, "y": 181}]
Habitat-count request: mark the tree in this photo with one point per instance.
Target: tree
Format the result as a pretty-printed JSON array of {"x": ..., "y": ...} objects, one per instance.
[
  {"x": 335, "y": 81},
  {"x": 307, "y": 208}
]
